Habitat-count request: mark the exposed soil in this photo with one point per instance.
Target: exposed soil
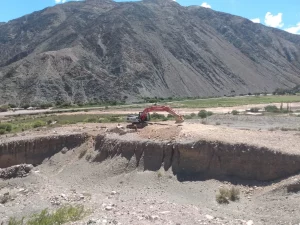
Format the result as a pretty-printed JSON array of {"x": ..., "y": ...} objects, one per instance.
[{"x": 119, "y": 190}]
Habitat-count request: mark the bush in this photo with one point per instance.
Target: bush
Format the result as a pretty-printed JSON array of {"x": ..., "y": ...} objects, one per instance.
[
  {"x": 271, "y": 108},
  {"x": 235, "y": 112},
  {"x": 224, "y": 195},
  {"x": 234, "y": 194},
  {"x": 202, "y": 114},
  {"x": 193, "y": 114},
  {"x": 60, "y": 216},
  {"x": 209, "y": 113},
  {"x": 2, "y": 131},
  {"x": 170, "y": 116},
  {"x": 38, "y": 123},
  {"x": 91, "y": 120},
  {"x": 157, "y": 116},
  {"x": 6, "y": 127},
  {"x": 254, "y": 109},
  {"x": 113, "y": 119},
  {"x": 45, "y": 105},
  {"x": 165, "y": 119},
  {"x": 4, "y": 108}
]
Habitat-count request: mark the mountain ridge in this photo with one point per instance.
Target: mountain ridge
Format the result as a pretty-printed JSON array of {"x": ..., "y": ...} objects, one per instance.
[{"x": 101, "y": 50}]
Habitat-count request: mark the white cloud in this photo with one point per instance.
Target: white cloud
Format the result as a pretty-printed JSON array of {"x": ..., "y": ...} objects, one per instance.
[
  {"x": 206, "y": 5},
  {"x": 294, "y": 30},
  {"x": 255, "y": 20},
  {"x": 60, "y": 1},
  {"x": 273, "y": 20}
]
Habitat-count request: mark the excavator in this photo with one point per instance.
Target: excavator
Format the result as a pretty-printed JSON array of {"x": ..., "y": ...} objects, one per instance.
[{"x": 140, "y": 121}]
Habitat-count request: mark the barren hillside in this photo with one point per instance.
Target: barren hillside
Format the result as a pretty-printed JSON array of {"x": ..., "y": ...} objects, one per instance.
[{"x": 101, "y": 50}]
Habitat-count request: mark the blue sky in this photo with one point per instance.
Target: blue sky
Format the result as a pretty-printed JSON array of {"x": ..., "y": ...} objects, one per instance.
[{"x": 280, "y": 14}]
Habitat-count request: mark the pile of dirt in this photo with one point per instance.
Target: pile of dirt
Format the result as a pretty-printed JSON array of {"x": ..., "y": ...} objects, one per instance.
[
  {"x": 16, "y": 171},
  {"x": 160, "y": 132}
]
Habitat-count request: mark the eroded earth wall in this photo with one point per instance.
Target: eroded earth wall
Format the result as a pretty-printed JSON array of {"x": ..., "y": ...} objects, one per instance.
[
  {"x": 35, "y": 150},
  {"x": 201, "y": 159},
  {"x": 188, "y": 160}
]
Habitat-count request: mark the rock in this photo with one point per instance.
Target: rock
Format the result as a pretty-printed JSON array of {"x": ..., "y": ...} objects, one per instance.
[
  {"x": 64, "y": 150},
  {"x": 108, "y": 208},
  {"x": 154, "y": 217},
  {"x": 113, "y": 193},
  {"x": 250, "y": 222},
  {"x": 16, "y": 171},
  {"x": 209, "y": 217}
]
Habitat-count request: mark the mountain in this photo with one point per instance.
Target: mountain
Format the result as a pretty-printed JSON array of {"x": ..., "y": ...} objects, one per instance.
[{"x": 100, "y": 50}]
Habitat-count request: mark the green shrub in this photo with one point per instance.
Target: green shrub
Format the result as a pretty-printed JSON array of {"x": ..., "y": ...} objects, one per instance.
[
  {"x": 188, "y": 117},
  {"x": 224, "y": 195},
  {"x": 113, "y": 119},
  {"x": 193, "y": 114},
  {"x": 91, "y": 120},
  {"x": 234, "y": 194},
  {"x": 202, "y": 114},
  {"x": 60, "y": 216},
  {"x": 255, "y": 109},
  {"x": 170, "y": 116},
  {"x": 2, "y": 131},
  {"x": 271, "y": 108},
  {"x": 165, "y": 119},
  {"x": 38, "y": 123},
  {"x": 210, "y": 113},
  {"x": 234, "y": 112},
  {"x": 6, "y": 127},
  {"x": 157, "y": 116},
  {"x": 4, "y": 108}
]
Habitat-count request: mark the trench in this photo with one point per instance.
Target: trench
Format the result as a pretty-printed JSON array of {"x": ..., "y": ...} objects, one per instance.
[{"x": 187, "y": 160}]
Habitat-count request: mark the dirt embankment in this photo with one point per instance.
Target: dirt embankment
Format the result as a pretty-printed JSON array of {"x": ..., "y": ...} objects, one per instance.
[
  {"x": 200, "y": 159},
  {"x": 35, "y": 150},
  {"x": 188, "y": 160}
]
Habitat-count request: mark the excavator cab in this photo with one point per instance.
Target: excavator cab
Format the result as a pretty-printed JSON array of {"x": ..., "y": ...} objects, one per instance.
[{"x": 147, "y": 118}]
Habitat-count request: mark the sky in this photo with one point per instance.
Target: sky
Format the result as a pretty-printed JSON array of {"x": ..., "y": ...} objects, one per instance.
[{"x": 280, "y": 14}]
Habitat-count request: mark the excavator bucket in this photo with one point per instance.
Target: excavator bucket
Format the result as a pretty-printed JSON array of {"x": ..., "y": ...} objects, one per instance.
[{"x": 179, "y": 119}]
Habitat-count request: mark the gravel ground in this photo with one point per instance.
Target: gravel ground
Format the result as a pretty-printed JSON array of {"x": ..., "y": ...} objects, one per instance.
[{"x": 142, "y": 197}]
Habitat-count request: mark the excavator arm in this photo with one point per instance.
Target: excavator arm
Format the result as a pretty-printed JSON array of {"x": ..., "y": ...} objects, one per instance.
[{"x": 158, "y": 108}]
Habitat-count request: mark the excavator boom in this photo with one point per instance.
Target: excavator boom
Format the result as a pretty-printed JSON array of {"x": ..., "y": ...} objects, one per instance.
[{"x": 157, "y": 108}]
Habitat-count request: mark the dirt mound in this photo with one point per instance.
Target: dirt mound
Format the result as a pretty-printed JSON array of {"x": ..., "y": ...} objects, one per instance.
[
  {"x": 16, "y": 171},
  {"x": 160, "y": 132}
]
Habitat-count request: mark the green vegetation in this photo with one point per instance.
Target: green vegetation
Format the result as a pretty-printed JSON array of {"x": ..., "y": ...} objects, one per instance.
[
  {"x": 225, "y": 195},
  {"x": 38, "y": 123},
  {"x": 234, "y": 112},
  {"x": 254, "y": 110},
  {"x": 234, "y": 101},
  {"x": 62, "y": 215},
  {"x": 29, "y": 122},
  {"x": 4, "y": 108},
  {"x": 275, "y": 109},
  {"x": 203, "y": 114}
]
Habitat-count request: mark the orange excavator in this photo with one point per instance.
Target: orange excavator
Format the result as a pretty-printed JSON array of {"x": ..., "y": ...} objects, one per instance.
[{"x": 140, "y": 120}]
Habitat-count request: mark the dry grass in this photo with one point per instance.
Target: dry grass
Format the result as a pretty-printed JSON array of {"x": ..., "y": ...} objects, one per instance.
[{"x": 225, "y": 195}]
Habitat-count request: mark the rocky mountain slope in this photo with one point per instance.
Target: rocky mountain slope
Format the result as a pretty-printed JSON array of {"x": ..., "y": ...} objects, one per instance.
[{"x": 100, "y": 50}]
